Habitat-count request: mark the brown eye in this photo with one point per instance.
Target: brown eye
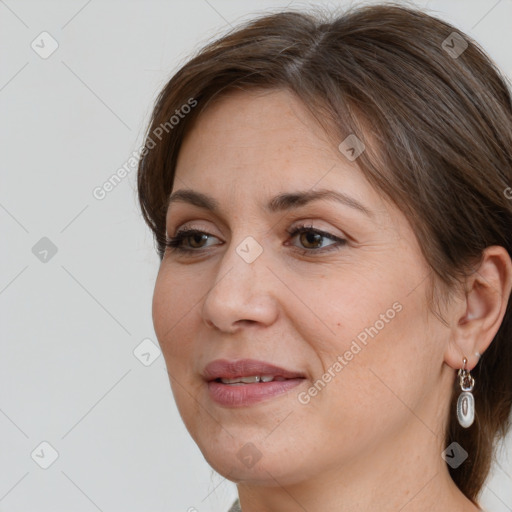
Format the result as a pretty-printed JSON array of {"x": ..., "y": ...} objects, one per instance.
[
  {"x": 311, "y": 239},
  {"x": 188, "y": 240},
  {"x": 197, "y": 238}
]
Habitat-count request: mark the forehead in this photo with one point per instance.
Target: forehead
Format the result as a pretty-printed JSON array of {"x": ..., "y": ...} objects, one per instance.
[
  {"x": 250, "y": 146},
  {"x": 254, "y": 126}
]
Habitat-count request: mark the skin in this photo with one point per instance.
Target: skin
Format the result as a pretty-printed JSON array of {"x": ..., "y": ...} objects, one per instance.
[{"x": 372, "y": 438}]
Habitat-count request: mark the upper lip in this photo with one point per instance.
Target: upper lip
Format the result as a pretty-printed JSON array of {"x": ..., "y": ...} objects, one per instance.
[{"x": 226, "y": 369}]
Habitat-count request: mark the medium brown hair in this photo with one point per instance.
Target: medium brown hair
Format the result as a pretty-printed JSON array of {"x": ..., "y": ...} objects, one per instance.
[{"x": 438, "y": 133}]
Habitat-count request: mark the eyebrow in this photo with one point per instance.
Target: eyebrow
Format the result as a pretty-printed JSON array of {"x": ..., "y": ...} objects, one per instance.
[{"x": 279, "y": 203}]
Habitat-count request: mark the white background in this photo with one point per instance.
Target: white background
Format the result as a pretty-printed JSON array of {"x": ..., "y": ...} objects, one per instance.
[{"x": 68, "y": 374}]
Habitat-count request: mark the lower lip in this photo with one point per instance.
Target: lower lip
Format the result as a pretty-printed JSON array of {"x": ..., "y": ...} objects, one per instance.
[{"x": 247, "y": 394}]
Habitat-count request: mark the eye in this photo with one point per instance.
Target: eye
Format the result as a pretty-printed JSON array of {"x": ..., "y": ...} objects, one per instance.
[
  {"x": 195, "y": 237},
  {"x": 311, "y": 239}
]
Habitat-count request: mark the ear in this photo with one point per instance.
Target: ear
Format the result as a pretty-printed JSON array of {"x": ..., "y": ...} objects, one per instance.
[{"x": 481, "y": 312}]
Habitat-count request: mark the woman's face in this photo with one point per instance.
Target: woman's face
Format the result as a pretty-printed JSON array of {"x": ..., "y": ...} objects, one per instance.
[{"x": 345, "y": 310}]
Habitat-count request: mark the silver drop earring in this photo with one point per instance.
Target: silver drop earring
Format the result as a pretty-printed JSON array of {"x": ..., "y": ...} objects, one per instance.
[{"x": 466, "y": 401}]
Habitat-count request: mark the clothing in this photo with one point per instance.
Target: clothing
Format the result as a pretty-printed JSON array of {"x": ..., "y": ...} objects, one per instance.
[{"x": 235, "y": 507}]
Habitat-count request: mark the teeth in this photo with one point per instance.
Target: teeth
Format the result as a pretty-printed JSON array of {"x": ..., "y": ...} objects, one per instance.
[
  {"x": 244, "y": 380},
  {"x": 251, "y": 380}
]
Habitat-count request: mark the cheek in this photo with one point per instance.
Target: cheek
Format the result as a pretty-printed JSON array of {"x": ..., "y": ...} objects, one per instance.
[
  {"x": 333, "y": 308},
  {"x": 174, "y": 299},
  {"x": 173, "y": 310},
  {"x": 371, "y": 338},
  {"x": 174, "y": 314}
]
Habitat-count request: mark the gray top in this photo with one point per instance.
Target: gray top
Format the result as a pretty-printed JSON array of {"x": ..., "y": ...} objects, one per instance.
[{"x": 235, "y": 507}]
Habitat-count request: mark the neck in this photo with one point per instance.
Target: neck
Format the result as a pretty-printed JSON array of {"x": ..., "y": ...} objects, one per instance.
[{"x": 399, "y": 474}]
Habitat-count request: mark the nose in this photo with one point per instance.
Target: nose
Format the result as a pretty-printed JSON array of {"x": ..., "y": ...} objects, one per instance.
[{"x": 242, "y": 292}]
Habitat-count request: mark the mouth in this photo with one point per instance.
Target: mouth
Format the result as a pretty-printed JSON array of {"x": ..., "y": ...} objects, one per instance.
[
  {"x": 247, "y": 381},
  {"x": 247, "y": 371},
  {"x": 239, "y": 381}
]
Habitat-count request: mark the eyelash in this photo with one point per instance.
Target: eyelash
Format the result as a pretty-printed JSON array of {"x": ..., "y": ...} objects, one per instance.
[{"x": 174, "y": 243}]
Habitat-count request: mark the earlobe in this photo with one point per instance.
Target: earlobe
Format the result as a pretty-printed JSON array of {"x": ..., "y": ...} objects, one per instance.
[{"x": 487, "y": 295}]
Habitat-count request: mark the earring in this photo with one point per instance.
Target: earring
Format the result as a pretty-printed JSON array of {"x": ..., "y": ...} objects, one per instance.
[{"x": 466, "y": 401}]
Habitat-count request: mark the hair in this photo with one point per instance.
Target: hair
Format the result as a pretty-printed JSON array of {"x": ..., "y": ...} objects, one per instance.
[{"x": 437, "y": 126}]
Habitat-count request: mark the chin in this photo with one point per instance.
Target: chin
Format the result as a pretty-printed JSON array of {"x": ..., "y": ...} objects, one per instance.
[{"x": 244, "y": 462}]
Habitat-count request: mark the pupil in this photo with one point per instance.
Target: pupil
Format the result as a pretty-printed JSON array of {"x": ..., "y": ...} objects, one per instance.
[
  {"x": 310, "y": 234},
  {"x": 194, "y": 237}
]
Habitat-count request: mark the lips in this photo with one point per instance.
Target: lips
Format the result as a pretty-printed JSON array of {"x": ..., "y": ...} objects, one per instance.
[
  {"x": 225, "y": 369},
  {"x": 248, "y": 382}
]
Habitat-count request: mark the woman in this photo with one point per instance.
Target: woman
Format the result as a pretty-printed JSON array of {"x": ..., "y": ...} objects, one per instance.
[{"x": 331, "y": 203}]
